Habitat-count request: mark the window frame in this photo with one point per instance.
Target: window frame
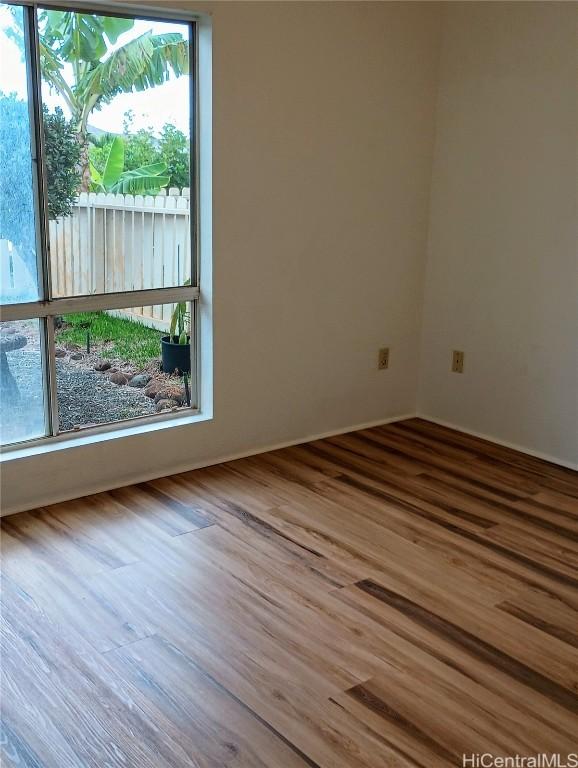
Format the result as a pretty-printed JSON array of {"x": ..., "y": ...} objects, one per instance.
[{"x": 48, "y": 307}]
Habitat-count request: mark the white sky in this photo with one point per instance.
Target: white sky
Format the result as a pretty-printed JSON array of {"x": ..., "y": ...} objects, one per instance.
[{"x": 168, "y": 103}]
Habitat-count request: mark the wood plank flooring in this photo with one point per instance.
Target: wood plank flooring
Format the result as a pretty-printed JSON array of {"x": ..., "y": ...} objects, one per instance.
[{"x": 394, "y": 597}]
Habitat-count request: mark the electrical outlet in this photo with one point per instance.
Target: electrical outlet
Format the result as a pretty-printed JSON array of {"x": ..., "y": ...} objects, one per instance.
[
  {"x": 383, "y": 358},
  {"x": 457, "y": 361}
]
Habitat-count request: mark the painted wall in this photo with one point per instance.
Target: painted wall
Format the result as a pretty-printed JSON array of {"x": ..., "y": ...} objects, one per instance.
[
  {"x": 322, "y": 141},
  {"x": 502, "y": 275}
]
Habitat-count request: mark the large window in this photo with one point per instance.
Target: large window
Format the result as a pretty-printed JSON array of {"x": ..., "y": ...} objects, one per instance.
[{"x": 98, "y": 229}]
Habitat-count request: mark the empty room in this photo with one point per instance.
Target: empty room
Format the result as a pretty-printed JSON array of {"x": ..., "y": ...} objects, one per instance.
[{"x": 288, "y": 384}]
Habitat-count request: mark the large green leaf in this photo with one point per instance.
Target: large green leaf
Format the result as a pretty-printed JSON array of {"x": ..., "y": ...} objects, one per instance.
[
  {"x": 114, "y": 164},
  {"x": 114, "y": 26},
  {"x": 95, "y": 176},
  {"x": 142, "y": 63},
  {"x": 170, "y": 54},
  {"x": 81, "y": 36},
  {"x": 146, "y": 180}
]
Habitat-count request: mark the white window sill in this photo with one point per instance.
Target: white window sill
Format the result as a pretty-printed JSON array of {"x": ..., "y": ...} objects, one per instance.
[{"x": 77, "y": 439}]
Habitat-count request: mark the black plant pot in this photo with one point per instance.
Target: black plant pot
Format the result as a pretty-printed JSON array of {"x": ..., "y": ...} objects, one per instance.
[{"x": 176, "y": 357}]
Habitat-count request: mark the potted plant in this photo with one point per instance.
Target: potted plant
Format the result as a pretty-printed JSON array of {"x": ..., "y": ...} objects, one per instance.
[{"x": 176, "y": 347}]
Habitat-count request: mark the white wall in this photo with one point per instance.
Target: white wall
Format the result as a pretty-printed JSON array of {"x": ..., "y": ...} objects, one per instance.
[
  {"x": 324, "y": 124},
  {"x": 323, "y": 137},
  {"x": 502, "y": 276}
]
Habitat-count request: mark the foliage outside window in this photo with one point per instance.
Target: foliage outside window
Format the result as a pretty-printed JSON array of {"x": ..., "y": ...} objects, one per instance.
[{"x": 70, "y": 356}]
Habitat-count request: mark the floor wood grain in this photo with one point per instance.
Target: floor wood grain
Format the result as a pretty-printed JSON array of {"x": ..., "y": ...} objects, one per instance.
[{"x": 397, "y": 596}]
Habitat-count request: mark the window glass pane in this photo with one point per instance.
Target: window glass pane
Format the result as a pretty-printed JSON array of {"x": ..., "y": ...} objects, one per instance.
[
  {"x": 109, "y": 365},
  {"x": 21, "y": 382},
  {"x": 18, "y": 243},
  {"x": 117, "y": 115}
]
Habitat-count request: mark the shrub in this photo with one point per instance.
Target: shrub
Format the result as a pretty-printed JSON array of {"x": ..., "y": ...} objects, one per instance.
[
  {"x": 62, "y": 158},
  {"x": 174, "y": 151}
]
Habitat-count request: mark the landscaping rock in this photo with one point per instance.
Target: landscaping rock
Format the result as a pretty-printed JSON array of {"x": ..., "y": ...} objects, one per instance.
[
  {"x": 119, "y": 378},
  {"x": 59, "y": 352},
  {"x": 76, "y": 356},
  {"x": 166, "y": 404},
  {"x": 154, "y": 387},
  {"x": 170, "y": 393},
  {"x": 140, "y": 380},
  {"x": 101, "y": 365},
  {"x": 72, "y": 347}
]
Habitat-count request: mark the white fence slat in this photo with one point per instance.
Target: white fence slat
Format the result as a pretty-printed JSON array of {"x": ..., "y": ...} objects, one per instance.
[{"x": 71, "y": 267}]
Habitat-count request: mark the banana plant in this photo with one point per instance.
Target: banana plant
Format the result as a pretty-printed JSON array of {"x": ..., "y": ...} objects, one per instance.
[
  {"x": 146, "y": 180},
  {"x": 181, "y": 321},
  {"x": 99, "y": 72}
]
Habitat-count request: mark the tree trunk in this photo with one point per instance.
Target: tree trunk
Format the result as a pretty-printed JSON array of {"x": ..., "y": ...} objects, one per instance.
[{"x": 84, "y": 162}]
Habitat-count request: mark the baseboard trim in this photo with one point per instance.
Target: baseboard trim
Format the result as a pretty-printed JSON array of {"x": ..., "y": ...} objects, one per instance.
[
  {"x": 497, "y": 441},
  {"x": 59, "y": 498}
]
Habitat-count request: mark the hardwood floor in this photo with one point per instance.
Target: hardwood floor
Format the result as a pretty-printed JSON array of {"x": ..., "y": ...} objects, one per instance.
[{"x": 395, "y": 597}]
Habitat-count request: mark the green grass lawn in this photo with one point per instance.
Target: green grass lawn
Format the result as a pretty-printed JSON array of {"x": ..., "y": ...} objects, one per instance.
[{"x": 113, "y": 337}]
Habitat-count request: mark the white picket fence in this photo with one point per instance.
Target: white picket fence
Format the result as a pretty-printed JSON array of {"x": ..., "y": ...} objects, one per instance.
[{"x": 123, "y": 243}]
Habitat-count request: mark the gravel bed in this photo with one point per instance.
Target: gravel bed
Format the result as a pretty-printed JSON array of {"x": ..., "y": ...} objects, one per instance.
[{"x": 87, "y": 397}]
